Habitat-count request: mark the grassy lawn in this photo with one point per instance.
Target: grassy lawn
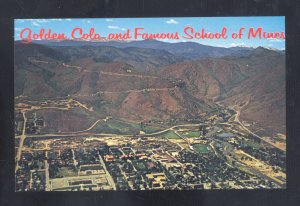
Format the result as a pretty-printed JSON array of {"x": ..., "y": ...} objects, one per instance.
[
  {"x": 200, "y": 148},
  {"x": 66, "y": 172},
  {"x": 170, "y": 135},
  {"x": 41, "y": 164},
  {"x": 139, "y": 166},
  {"x": 252, "y": 144},
  {"x": 115, "y": 126},
  {"x": 190, "y": 134},
  {"x": 120, "y": 125}
]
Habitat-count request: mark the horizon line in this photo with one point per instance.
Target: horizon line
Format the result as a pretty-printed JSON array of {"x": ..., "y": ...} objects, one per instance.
[{"x": 123, "y": 41}]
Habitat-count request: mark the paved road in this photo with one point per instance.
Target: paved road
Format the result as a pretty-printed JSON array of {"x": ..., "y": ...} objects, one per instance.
[
  {"x": 109, "y": 178},
  {"x": 47, "y": 188},
  {"x": 86, "y": 130},
  {"x": 85, "y": 70},
  {"x": 171, "y": 128},
  {"x": 22, "y": 138},
  {"x": 236, "y": 119}
]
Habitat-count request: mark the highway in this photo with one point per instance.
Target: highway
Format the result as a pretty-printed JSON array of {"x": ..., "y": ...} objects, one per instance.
[{"x": 236, "y": 119}]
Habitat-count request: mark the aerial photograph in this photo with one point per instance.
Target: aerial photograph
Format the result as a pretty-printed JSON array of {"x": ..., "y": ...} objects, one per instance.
[{"x": 160, "y": 107}]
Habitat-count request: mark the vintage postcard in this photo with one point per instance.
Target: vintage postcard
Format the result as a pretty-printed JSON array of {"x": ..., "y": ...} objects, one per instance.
[{"x": 150, "y": 104}]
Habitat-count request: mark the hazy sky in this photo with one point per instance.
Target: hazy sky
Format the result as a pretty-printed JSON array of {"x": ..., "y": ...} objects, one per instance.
[{"x": 104, "y": 26}]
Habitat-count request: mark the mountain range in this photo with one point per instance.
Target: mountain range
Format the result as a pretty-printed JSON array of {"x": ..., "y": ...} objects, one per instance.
[
  {"x": 146, "y": 80},
  {"x": 189, "y": 50}
]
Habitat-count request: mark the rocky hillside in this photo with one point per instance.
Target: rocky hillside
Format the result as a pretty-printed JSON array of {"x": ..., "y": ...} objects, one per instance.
[{"x": 140, "y": 83}]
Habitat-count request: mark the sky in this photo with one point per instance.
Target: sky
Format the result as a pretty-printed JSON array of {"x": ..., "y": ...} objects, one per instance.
[{"x": 104, "y": 26}]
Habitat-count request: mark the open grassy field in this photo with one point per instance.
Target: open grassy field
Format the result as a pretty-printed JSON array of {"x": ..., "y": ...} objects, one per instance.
[
  {"x": 200, "y": 148},
  {"x": 170, "y": 135},
  {"x": 116, "y": 126},
  {"x": 190, "y": 134},
  {"x": 66, "y": 172},
  {"x": 252, "y": 144}
]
